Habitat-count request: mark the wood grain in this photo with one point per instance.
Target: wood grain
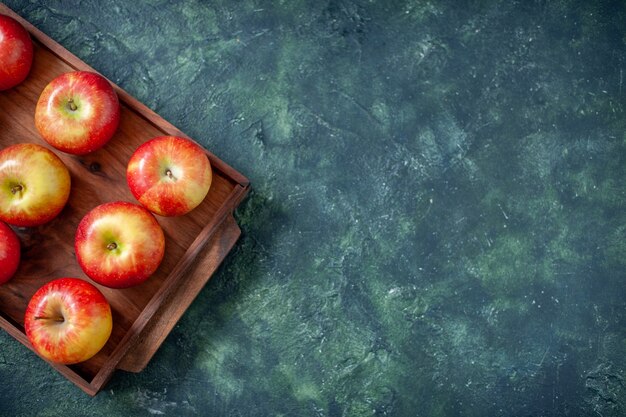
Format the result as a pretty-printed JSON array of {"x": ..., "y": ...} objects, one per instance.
[{"x": 142, "y": 315}]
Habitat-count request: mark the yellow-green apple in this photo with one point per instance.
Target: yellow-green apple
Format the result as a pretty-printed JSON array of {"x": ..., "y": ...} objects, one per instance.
[
  {"x": 34, "y": 185},
  {"x": 119, "y": 244},
  {"x": 68, "y": 320},
  {"x": 9, "y": 252},
  {"x": 16, "y": 52},
  {"x": 169, "y": 175},
  {"x": 78, "y": 112}
]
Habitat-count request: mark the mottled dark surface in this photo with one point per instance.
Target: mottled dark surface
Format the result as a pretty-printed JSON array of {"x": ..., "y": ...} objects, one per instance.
[{"x": 437, "y": 225}]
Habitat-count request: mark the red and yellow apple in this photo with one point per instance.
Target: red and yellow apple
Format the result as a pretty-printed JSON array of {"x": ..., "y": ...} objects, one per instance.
[
  {"x": 10, "y": 252},
  {"x": 68, "y": 320},
  {"x": 119, "y": 244},
  {"x": 34, "y": 185},
  {"x": 169, "y": 175},
  {"x": 78, "y": 112},
  {"x": 16, "y": 52}
]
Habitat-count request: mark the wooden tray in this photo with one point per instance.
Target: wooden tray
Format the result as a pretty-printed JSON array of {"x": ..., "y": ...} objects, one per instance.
[{"x": 195, "y": 243}]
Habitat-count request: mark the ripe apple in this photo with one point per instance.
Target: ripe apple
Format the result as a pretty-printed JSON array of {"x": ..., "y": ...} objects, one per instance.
[
  {"x": 169, "y": 175},
  {"x": 119, "y": 244},
  {"x": 78, "y": 112},
  {"x": 16, "y": 52},
  {"x": 68, "y": 320},
  {"x": 34, "y": 185},
  {"x": 9, "y": 252}
]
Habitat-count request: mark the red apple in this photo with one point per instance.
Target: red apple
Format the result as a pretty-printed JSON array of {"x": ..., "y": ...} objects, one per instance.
[
  {"x": 169, "y": 175},
  {"x": 9, "y": 253},
  {"x": 119, "y": 244},
  {"x": 78, "y": 112},
  {"x": 34, "y": 185},
  {"x": 68, "y": 320},
  {"x": 16, "y": 52}
]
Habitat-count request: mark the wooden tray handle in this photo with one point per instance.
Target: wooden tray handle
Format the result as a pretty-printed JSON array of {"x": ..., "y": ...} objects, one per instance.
[{"x": 179, "y": 300}]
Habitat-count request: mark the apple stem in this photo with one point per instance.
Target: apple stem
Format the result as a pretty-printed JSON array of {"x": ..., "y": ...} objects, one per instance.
[
  {"x": 71, "y": 105},
  {"x": 59, "y": 319},
  {"x": 111, "y": 246},
  {"x": 169, "y": 174},
  {"x": 17, "y": 188}
]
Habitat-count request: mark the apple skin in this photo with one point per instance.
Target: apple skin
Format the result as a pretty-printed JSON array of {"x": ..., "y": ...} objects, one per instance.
[
  {"x": 34, "y": 185},
  {"x": 16, "y": 52},
  {"x": 78, "y": 112},
  {"x": 119, "y": 244},
  {"x": 68, "y": 320},
  {"x": 10, "y": 252},
  {"x": 169, "y": 175}
]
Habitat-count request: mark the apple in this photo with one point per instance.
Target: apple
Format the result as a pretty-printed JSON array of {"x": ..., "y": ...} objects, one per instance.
[
  {"x": 34, "y": 185},
  {"x": 169, "y": 175},
  {"x": 16, "y": 52},
  {"x": 9, "y": 253},
  {"x": 78, "y": 112},
  {"x": 119, "y": 244},
  {"x": 68, "y": 320}
]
